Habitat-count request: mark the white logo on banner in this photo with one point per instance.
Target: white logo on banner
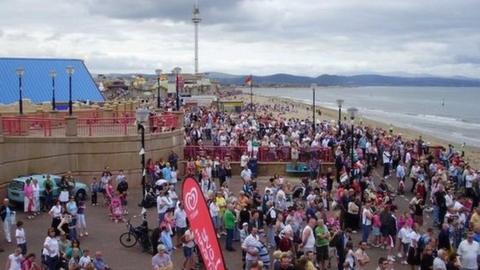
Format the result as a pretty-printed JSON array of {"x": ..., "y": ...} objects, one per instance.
[{"x": 191, "y": 200}]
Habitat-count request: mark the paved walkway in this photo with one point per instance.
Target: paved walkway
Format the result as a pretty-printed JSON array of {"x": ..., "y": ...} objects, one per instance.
[{"x": 104, "y": 236}]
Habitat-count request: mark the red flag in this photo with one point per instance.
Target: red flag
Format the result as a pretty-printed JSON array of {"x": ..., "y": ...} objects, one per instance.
[
  {"x": 201, "y": 225},
  {"x": 248, "y": 80}
]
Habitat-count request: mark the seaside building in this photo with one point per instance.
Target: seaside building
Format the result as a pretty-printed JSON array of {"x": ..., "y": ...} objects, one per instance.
[
  {"x": 37, "y": 81},
  {"x": 92, "y": 137}
]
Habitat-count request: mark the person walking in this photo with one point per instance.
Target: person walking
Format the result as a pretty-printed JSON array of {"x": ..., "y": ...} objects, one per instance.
[
  {"x": 14, "y": 261},
  {"x": 8, "y": 216},
  {"x": 50, "y": 250},
  {"x": 21, "y": 238}
]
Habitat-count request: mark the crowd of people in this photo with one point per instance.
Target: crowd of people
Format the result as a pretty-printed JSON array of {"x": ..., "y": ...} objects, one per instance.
[
  {"x": 333, "y": 218},
  {"x": 61, "y": 248},
  {"x": 312, "y": 224}
]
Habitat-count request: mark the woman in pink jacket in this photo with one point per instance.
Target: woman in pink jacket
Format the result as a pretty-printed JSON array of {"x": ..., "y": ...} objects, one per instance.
[{"x": 28, "y": 199}]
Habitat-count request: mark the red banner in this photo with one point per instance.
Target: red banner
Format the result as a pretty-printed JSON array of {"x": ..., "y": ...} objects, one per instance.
[{"x": 201, "y": 225}]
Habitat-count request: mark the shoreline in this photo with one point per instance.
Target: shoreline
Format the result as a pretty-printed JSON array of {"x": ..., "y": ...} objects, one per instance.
[{"x": 302, "y": 111}]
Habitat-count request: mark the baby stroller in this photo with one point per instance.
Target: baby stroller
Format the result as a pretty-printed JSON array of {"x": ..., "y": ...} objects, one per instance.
[
  {"x": 150, "y": 199},
  {"x": 116, "y": 209}
]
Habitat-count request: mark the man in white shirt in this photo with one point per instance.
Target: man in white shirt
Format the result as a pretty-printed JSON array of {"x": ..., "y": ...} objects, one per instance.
[
  {"x": 246, "y": 174},
  {"x": 387, "y": 159},
  {"x": 468, "y": 250},
  {"x": 244, "y": 160},
  {"x": 251, "y": 245},
  {"x": 308, "y": 236},
  {"x": 180, "y": 222},
  {"x": 163, "y": 203}
]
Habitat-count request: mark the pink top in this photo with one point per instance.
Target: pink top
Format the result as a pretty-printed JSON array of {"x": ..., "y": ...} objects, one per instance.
[
  {"x": 376, "y": 221},
  {"x": 28, "y": 191}
]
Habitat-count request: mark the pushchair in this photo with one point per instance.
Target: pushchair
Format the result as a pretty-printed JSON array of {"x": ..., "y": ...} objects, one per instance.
[
  {"x": 116, "y": 209},
  {"x": 150, "y": 199}
]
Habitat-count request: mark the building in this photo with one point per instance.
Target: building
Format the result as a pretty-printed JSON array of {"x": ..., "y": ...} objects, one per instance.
[{"x": 37, "y": 82}]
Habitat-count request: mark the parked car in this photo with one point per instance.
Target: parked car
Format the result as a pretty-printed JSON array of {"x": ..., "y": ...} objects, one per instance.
[{"x": 15, "y": 188}]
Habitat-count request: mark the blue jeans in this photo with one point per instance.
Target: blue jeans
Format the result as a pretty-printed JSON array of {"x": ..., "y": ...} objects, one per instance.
[
  {"x": 51, "y": 262},
  {"x": 366, "y": 229},
  {"x": 435, "y": 214},
  {"x": 271, "y": 237},
  {"x": 229, "y": 239}
]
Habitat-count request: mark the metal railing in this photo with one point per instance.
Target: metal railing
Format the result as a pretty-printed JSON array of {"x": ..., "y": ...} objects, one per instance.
[
  {"x": 55, "y": 126},
  {"x": 263, "y": 154}
]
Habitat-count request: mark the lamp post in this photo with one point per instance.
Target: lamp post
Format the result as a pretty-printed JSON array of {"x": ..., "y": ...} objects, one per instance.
[
  {"x": 339, "y": 104},
  {"x": 177, "y": 71},
  {"x": 313, "y": 107},
  {"x": 20, "y": 71},
  {"x": 158, "y": 72},
  {"x": 141, "y": 117},
  {"x": 352, "y": 113},
  {"x": 53, "y": 74},
  {"x": 70, "y": 70}
]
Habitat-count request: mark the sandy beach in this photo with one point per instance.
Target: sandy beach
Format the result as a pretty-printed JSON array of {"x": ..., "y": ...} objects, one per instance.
[{"x": 303, "y": 111}]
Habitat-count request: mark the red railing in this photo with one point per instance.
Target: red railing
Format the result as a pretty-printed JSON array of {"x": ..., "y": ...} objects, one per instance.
[
  {"x": 265, "y": 154},
  {"x": 163, "y": 123},
  {"x": 88, "y": 127},
  {"x": 29, "y": 126},
  {"x": 54, "y": 126}
]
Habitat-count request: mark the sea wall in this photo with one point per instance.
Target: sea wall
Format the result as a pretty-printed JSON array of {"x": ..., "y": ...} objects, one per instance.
[{"x": 85, "y": 157}]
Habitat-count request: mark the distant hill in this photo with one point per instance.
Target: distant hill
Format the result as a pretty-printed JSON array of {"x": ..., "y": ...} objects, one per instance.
[{"x": 337, "y": 80}]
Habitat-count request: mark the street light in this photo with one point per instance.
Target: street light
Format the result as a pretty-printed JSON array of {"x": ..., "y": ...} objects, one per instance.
[
  {"x": 352, "y": 113},
  {"x": 158, "y": 72},
  {"x": 20, "y": 71},
  {"x": 53, "y": 74},
  {"x": 314, "y": 85},
  {"x": 70, "y": 70},
  {"x": 177, "y": 72},
  {"x": 141, "y": 117},
  {"x": 339, "y": 104}
]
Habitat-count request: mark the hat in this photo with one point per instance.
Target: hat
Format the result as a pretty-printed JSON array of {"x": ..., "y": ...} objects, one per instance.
[
  {"x": 244, "y": 224},
  {"x": 161, "y": 247}
]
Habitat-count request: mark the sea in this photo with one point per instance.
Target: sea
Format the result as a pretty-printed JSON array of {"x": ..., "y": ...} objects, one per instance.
[{"x": 449, "y": 113}]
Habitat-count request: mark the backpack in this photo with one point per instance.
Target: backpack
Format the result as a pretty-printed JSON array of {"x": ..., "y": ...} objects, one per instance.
[
  {"x": 268, "y": 219},
  {"x": 422, "y": 242},
  {"x": 122, "y": 186}
]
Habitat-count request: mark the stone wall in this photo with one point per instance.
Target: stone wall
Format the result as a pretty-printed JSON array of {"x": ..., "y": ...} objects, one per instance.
[{"x": 84, "y": 156}]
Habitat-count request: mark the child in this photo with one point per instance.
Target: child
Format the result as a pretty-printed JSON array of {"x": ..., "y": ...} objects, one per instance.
[
  {"x": 15, "y": 260},
  {"x": 116, "y": 209},
  {"x": 21, "y": 238},
  {"x": 94, "y": 187},
  {"x": 123, "y": 199},
  {"x": 376, "y": 224},
  {"x": 82, "y": 224}
]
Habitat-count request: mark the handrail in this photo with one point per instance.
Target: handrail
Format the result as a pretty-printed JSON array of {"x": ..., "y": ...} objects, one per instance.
[
  {"x": 86, "y": 126},
  {"x": 262, "y": 153}
]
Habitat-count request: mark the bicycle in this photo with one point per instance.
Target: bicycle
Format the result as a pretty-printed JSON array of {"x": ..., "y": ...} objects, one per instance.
[{"x": 136, "y": 234}]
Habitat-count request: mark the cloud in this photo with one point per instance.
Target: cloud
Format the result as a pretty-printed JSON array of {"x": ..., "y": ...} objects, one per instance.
[{"x": 438, "y": 37}]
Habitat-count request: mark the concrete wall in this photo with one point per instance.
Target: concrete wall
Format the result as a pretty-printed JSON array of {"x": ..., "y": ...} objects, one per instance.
[{"x": 85, "y": 157}]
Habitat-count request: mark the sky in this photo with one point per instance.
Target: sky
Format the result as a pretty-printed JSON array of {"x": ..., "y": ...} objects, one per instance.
[{"x": 303, "y": 37}]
